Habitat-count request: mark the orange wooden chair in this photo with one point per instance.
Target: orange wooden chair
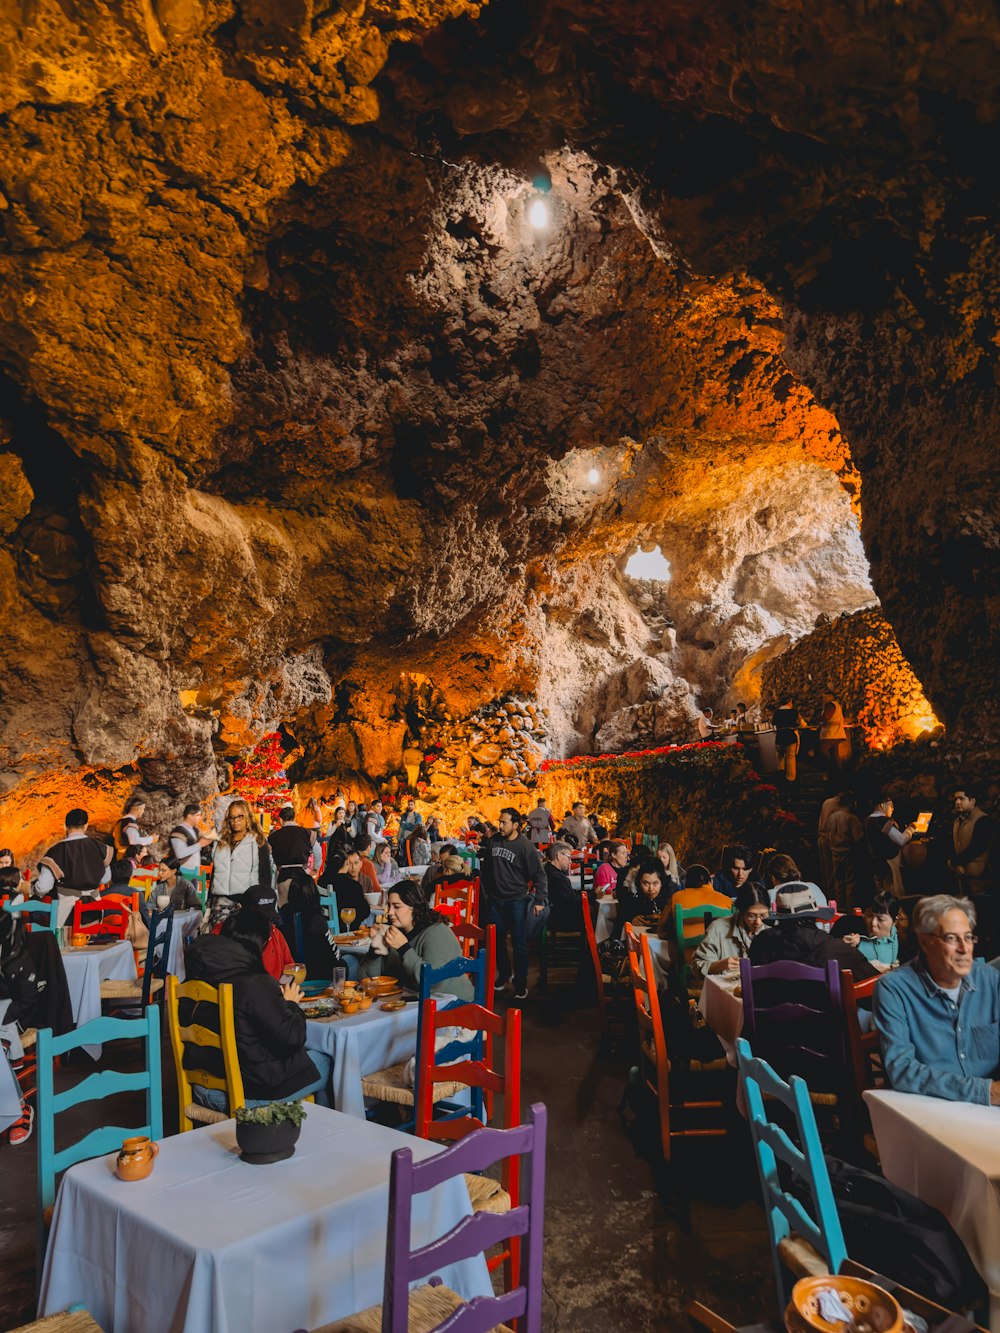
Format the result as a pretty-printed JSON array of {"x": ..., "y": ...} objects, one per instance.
[
  {"x": 654, "y": 1063},
  {"x": 461, "y": 892},
  {"x": 600, "y": 976}
]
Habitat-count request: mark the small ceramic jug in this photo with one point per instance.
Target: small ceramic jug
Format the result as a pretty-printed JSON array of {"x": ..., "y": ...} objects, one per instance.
[{"x": 135, "y": 1161}]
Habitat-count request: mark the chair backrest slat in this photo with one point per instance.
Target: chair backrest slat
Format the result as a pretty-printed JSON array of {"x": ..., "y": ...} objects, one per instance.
[
  {"x": 328, "y": 901},
  {"x": 95, "y": 1087}
]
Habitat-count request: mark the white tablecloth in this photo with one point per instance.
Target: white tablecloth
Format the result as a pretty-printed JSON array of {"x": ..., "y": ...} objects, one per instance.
[
  {"x": 211, "y": 1244},
  {"x": 607, "y": 912},
  {"x": 85, "y": 970},
  {"x": 186, "y": 926},
  {"x": 364, "y": 1044},
  {"x": 722, "y": 1010},
  {"x": 661, "y": 954},
  {"x": 413, "y": 872},
  {"x": 948, "y": 1154}
]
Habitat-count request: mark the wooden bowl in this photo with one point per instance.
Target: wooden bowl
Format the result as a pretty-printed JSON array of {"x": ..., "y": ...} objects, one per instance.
[{"x": 871, "y": 1308}]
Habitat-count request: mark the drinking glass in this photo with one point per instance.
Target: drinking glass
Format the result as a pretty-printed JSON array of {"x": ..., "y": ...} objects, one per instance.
[
  {"x": 347, "y": 915},
  {"x": 338, "y": 979}
]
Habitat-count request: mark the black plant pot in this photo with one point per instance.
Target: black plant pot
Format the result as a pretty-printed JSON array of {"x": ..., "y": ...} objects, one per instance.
[{"x": 262, "y": 1144}]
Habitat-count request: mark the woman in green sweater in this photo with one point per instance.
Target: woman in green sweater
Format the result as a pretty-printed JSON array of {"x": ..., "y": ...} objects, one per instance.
[{"x": 416, "y": 935}]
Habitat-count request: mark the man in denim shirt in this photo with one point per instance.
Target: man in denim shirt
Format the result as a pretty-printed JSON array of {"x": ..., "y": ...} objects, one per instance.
[{"x": 938, "y": 1018}]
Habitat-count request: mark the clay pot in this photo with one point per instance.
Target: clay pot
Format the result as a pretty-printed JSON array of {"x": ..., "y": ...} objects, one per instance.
[{"x": 135, "y": 1160}]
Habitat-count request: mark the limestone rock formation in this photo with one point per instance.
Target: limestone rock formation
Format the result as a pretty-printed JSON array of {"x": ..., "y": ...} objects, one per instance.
[{"x": 298, "y": 410}]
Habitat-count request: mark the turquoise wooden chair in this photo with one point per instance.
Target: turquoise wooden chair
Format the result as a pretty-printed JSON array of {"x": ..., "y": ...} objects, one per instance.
[
  {"x": 800, "y": 1245},
  {"x": 328, "y": 901},
  {"x": 37, "y": 908},
  {"x": 94, "y": 1088}
]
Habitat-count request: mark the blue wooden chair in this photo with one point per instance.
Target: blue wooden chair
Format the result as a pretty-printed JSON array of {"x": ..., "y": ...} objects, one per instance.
[
  {"x": 800, "y": 1245},
  {"x": 153, "y": 978},
  {"x": 41, "y": 913},
  {"x": 393, "y": 1084},
  {"x": 328, "y": 901},
  {"x": 95, "y": 1087}
]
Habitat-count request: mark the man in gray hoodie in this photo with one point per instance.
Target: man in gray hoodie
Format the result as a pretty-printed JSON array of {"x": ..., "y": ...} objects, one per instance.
[{"x": 514, "y": 877}]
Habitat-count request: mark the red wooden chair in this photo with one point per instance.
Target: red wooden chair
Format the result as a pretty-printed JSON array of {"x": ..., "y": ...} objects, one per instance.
[
  {"x": 485, "y": 1083},
  {"x": 113, "y": 917}
]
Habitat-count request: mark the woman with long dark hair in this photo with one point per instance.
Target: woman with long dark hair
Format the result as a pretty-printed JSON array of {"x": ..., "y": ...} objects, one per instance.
[
  {"x": 728, "y": 938},
  {"x": 415, "y": 935}
]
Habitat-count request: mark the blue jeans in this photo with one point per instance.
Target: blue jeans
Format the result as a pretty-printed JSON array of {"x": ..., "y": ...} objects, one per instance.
[
  {"x": 511, "y": 914},
  {"x": 215, "y": 1098}
]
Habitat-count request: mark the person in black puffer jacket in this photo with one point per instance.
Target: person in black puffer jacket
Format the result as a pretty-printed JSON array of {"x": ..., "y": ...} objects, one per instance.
[{"x": 270, "y": 1025}]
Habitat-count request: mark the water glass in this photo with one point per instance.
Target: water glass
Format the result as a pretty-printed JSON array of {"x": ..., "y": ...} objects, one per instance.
[{"x": 338, "y": 978}]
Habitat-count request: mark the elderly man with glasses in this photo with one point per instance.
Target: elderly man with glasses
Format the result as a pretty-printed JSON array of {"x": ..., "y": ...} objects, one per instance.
[{"x": 938, "y": 1018}]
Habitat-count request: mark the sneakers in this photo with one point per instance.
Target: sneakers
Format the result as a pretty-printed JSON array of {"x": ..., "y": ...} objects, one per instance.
[
  {"x": 499, "y": 985},
  {"x": 521, "y": 994},
  {"x": 20, "y": 1130}
]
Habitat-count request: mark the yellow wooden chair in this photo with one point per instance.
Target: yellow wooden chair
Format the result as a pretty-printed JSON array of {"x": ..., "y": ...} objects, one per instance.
[{"x": 195, "y": 1034}]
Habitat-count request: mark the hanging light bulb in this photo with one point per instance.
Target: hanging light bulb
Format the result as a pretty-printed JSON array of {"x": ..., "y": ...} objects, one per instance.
[
  {"x": 538, "y": 214},
  {"x": 593, "y": 476}
]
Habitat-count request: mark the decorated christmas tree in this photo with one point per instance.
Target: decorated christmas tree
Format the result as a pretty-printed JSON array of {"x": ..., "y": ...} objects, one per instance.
[{"x": 260, "y": 778}]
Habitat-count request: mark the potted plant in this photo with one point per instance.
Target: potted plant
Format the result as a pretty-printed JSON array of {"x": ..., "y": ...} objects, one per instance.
[{"x": 269, "y": 1133}]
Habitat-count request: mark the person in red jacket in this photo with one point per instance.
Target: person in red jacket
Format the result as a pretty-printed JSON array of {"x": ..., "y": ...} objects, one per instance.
[{"x": 276, "y": 955}]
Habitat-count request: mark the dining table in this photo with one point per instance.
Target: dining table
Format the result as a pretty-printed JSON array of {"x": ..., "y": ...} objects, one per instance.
[
  {"x": 85, "y": 969},
  {"x": 948, "y": 1155},
  {"x": 721, "y": 1006},
  {"x": 186, "y": 926},
  {"x": 607, "y": 914},
  {"x": 364, "y": 1043},
  {"x": 210, "y": 1243}
]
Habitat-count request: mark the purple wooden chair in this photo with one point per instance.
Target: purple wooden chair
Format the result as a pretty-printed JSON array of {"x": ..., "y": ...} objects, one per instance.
[
  {"x": 793, "y": 1017},
  {"x": 472, "y": 1236}
]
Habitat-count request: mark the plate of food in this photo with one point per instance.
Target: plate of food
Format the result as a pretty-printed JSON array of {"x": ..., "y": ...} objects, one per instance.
[
  {"x": 319, "y": 1008},
  {"x": 392, "y": 1006}
]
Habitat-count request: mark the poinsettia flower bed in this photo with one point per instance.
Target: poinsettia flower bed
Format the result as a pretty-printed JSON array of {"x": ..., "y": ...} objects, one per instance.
[
  {"x": 700, "y": 797},
  {"x": 631, "y": 757}
]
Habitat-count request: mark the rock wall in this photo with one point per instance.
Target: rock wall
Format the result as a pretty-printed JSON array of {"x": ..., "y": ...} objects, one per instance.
[
  {"x": 296, "y": 407},
  {"x": 856, "y": 660}
]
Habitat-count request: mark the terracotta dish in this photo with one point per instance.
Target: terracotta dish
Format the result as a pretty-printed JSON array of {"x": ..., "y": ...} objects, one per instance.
[{"x": 872, "y": 1309}]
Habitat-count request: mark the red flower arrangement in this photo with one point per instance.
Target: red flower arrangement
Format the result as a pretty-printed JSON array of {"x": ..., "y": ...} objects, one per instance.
[{"x": 588, "y": 760}]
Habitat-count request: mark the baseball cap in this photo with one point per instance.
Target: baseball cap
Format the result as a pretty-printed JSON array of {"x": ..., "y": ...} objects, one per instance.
[
  {"x": 264, "y": 899},
  {"x": 796, "y": 899}
]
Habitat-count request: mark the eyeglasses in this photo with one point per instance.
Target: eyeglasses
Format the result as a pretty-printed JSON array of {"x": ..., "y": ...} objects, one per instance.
[{"x": 951, "y": 939}]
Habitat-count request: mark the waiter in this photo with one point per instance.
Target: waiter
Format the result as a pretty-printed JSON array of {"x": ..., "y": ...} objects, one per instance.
[
  {"x": 129, "y": 837},
  {"x": 291, "y": 847},
  {"x": 76, "y": 867},
  {"x": 186, "y": 841}
]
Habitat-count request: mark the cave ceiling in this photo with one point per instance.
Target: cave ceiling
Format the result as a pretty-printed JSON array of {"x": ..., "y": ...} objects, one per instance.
[{"x": 293, "y": 398}]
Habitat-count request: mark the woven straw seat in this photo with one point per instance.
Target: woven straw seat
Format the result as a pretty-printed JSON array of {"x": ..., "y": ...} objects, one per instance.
[
  {"x": 79, "y": 1322},
  {"x": 204, "y": 1114},
  {"x": 29, "y": 1037},
  {"x": 128, "y": 990},
  {"x": 487, "y": 1195},
  {"x": 391, "y": 1085},
  {"x": 800, "y": 1258},
  {"x": 428, "y": 1307}
]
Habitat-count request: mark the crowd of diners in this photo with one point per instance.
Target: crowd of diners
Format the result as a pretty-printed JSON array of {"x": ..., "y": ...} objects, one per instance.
[{"x": 936, "y": 1006}]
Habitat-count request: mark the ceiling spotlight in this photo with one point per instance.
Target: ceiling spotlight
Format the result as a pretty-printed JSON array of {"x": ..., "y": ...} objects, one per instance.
[
  {"x": 593, "y": 476},
  {"x": 538, "y": 214}
]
